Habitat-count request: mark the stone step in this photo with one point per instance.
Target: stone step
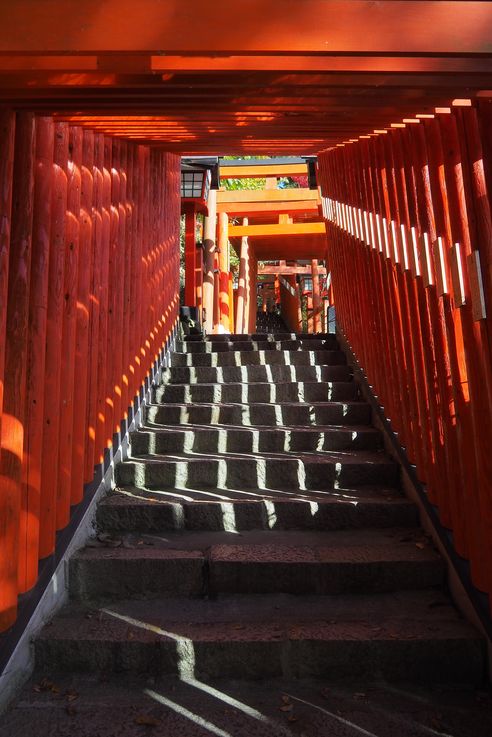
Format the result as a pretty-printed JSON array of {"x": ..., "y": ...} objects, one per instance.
[
  {"x": 220, "y": 346},
  {"x": 204, "y": 439},
  {"x": 241, "y": 374},
  {"x": 255, "y": 562},
  {"x": 259, "y": 471},
  {"x": 288, "y": 391},
  {"x": 190, "y": 706},
  {"x": 260, "y": 357},
  {"x": 406, "y": 636},
  {"x": 131, "y": 509},
  {"x": 261, "y": 337},
  {"x": 259, "y": 413}
]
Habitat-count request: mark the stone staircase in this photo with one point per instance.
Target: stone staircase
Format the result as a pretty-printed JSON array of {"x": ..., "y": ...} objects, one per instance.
[{"x": 257, "y": 531}]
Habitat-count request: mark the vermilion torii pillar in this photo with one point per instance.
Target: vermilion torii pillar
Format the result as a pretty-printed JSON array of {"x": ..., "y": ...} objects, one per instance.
[
  {"x": 223, "y": 244},
  {"x": 208, "y": 259},
  {"x": 190, "y": 256}
]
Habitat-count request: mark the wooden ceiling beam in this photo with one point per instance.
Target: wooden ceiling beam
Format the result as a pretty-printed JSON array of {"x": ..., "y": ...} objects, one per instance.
[{"x": 313, "y": 26}]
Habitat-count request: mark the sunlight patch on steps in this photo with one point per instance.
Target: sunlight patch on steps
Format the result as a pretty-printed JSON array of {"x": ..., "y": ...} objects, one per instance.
[
  {"x": 228, "y": 517},
  {"x": 278, "y": 415},
  {"x": 338, "y": 473},
  {"x": 261, "y": 473},
  {"x": 301, "y": 475},
  {"x": 287, "y": 440},
  {"x": 217, "y": 393},
  {"x": 231, "y": 701},
  {"x": 185, "y": 650},
  {"x": 271, "y": 514},
  {"x": 184, "y": 416},
  {"x": 358, "y": 730}
]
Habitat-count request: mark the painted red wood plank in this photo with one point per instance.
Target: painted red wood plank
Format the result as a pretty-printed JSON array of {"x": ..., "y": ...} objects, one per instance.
[
  {"x": 104, "y": 408},
  {"x": 8, "y": 501},
  {"x": 94, "y": 305},
  {"x": 36, "y": 355},
  {"x": 72, "y": 170},
  {"x": 86, "y": 166},
  {"x": 54, "y": 331},
  {"x": 14, "y": 417}
]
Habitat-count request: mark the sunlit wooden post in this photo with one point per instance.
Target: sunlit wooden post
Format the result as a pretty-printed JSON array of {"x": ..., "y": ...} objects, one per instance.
[
  {"x": 242, "y": 283},
  {"x": 223, "y": 249},
  {"x": 190, "y": 297},
  {"x": 208, "y": 259}
]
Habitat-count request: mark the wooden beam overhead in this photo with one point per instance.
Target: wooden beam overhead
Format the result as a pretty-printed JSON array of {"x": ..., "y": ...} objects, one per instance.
[
  {"x": 277, "y": 229},
  {"x": 287, "y": 26},
  {"x": 309, "y": 207},
  {"x": 254, "y": 172},
  {"x": 264, "y": 196}
]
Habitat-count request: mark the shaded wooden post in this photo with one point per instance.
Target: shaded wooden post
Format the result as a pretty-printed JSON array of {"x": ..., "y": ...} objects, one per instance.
[
  {"x": 52, "y": 387},
  {"x": 242, "y": 283},
  {"x": 72, "y": 169},
  {"x": 190, "y": 296},
  {"x": 252, "y": 289},
  {"x": 14, "y": 502},
  {"x": 316, "y": 296},
  {"x": 36, "y": 360},
  {"x": 8, "y": 499},
  {"x": 94, "y": 304},
  {"x": 223, "y": 245},
  {"x": 208, "y": 258},
  {"x": 86, "y": 165},
  {"x": 232, "y": 322}
]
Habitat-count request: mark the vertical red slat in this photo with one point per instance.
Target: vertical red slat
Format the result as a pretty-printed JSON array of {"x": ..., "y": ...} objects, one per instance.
[
  {"x": 104, "y": 408},
  {"x": 36, "y": 355},
  {"x": 55, "y": 310},
  {"x": 14, "y": 417},
  {"x": 85, "y": 165},
  {"x": 94, "y": 305},
  {"x": 70, "y": 284},
  {"x": 8, "y": 499}
]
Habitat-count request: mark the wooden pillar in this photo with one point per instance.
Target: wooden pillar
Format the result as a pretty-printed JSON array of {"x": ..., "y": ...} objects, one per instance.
[
  {"x": 316, "y": 296},
  {"x": 223, "y": 244},
  {"x": 52, "y": 387},
  {"x": 231, "y": 303},
  {"x": 252, "y": 287},
  {"x": 199, "y": 280},
  {"x": 190, "y": 296},
  {"x": 14, "y": 503},
  {"x": 208, "y": 258},
  {"x": 33, "y": 435},
  {"x": 242, "y": 283},
  {"x": 8, "y": 499},
  {"x": 69, "y": 327}
]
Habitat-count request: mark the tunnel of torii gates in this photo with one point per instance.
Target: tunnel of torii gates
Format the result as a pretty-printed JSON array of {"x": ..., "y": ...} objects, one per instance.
[
  {"x": 271, "y": 230},
  {"x": 99, "y": 99}
]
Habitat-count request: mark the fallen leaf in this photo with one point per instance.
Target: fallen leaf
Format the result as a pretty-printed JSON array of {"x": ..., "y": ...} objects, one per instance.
[
  {"x": 147, "y": 721},
  {"x": 292, "y": 718},
  {"x": 286, "y": 707},
  {"x": 420, "y": 545},
  {"x": 71, "y": 694},
  {"x": 285, "y": 698}
]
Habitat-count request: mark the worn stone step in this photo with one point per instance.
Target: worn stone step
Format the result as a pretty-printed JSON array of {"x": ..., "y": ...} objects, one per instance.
[
  {"x": 292, "y": 344},
  {"x": 261, "y": 337},
  {"x": 403, "y": 636},
  {"x": 190, "y": 706},
  {"x": 260, "y": 357},
  {"x": 212, "y": 563},
  {"x": 259, "y": 413},
  {"x": 131, "y": 509},
  {"x": 203, "y": 439},
  {"x": 261, "y": 471},
  {"x": 320, "y": 391},
  {"x": 241, "y": 374}
]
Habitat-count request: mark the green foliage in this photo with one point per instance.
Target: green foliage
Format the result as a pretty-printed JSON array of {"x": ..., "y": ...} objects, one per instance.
[{"x": 235, "y": 184}]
